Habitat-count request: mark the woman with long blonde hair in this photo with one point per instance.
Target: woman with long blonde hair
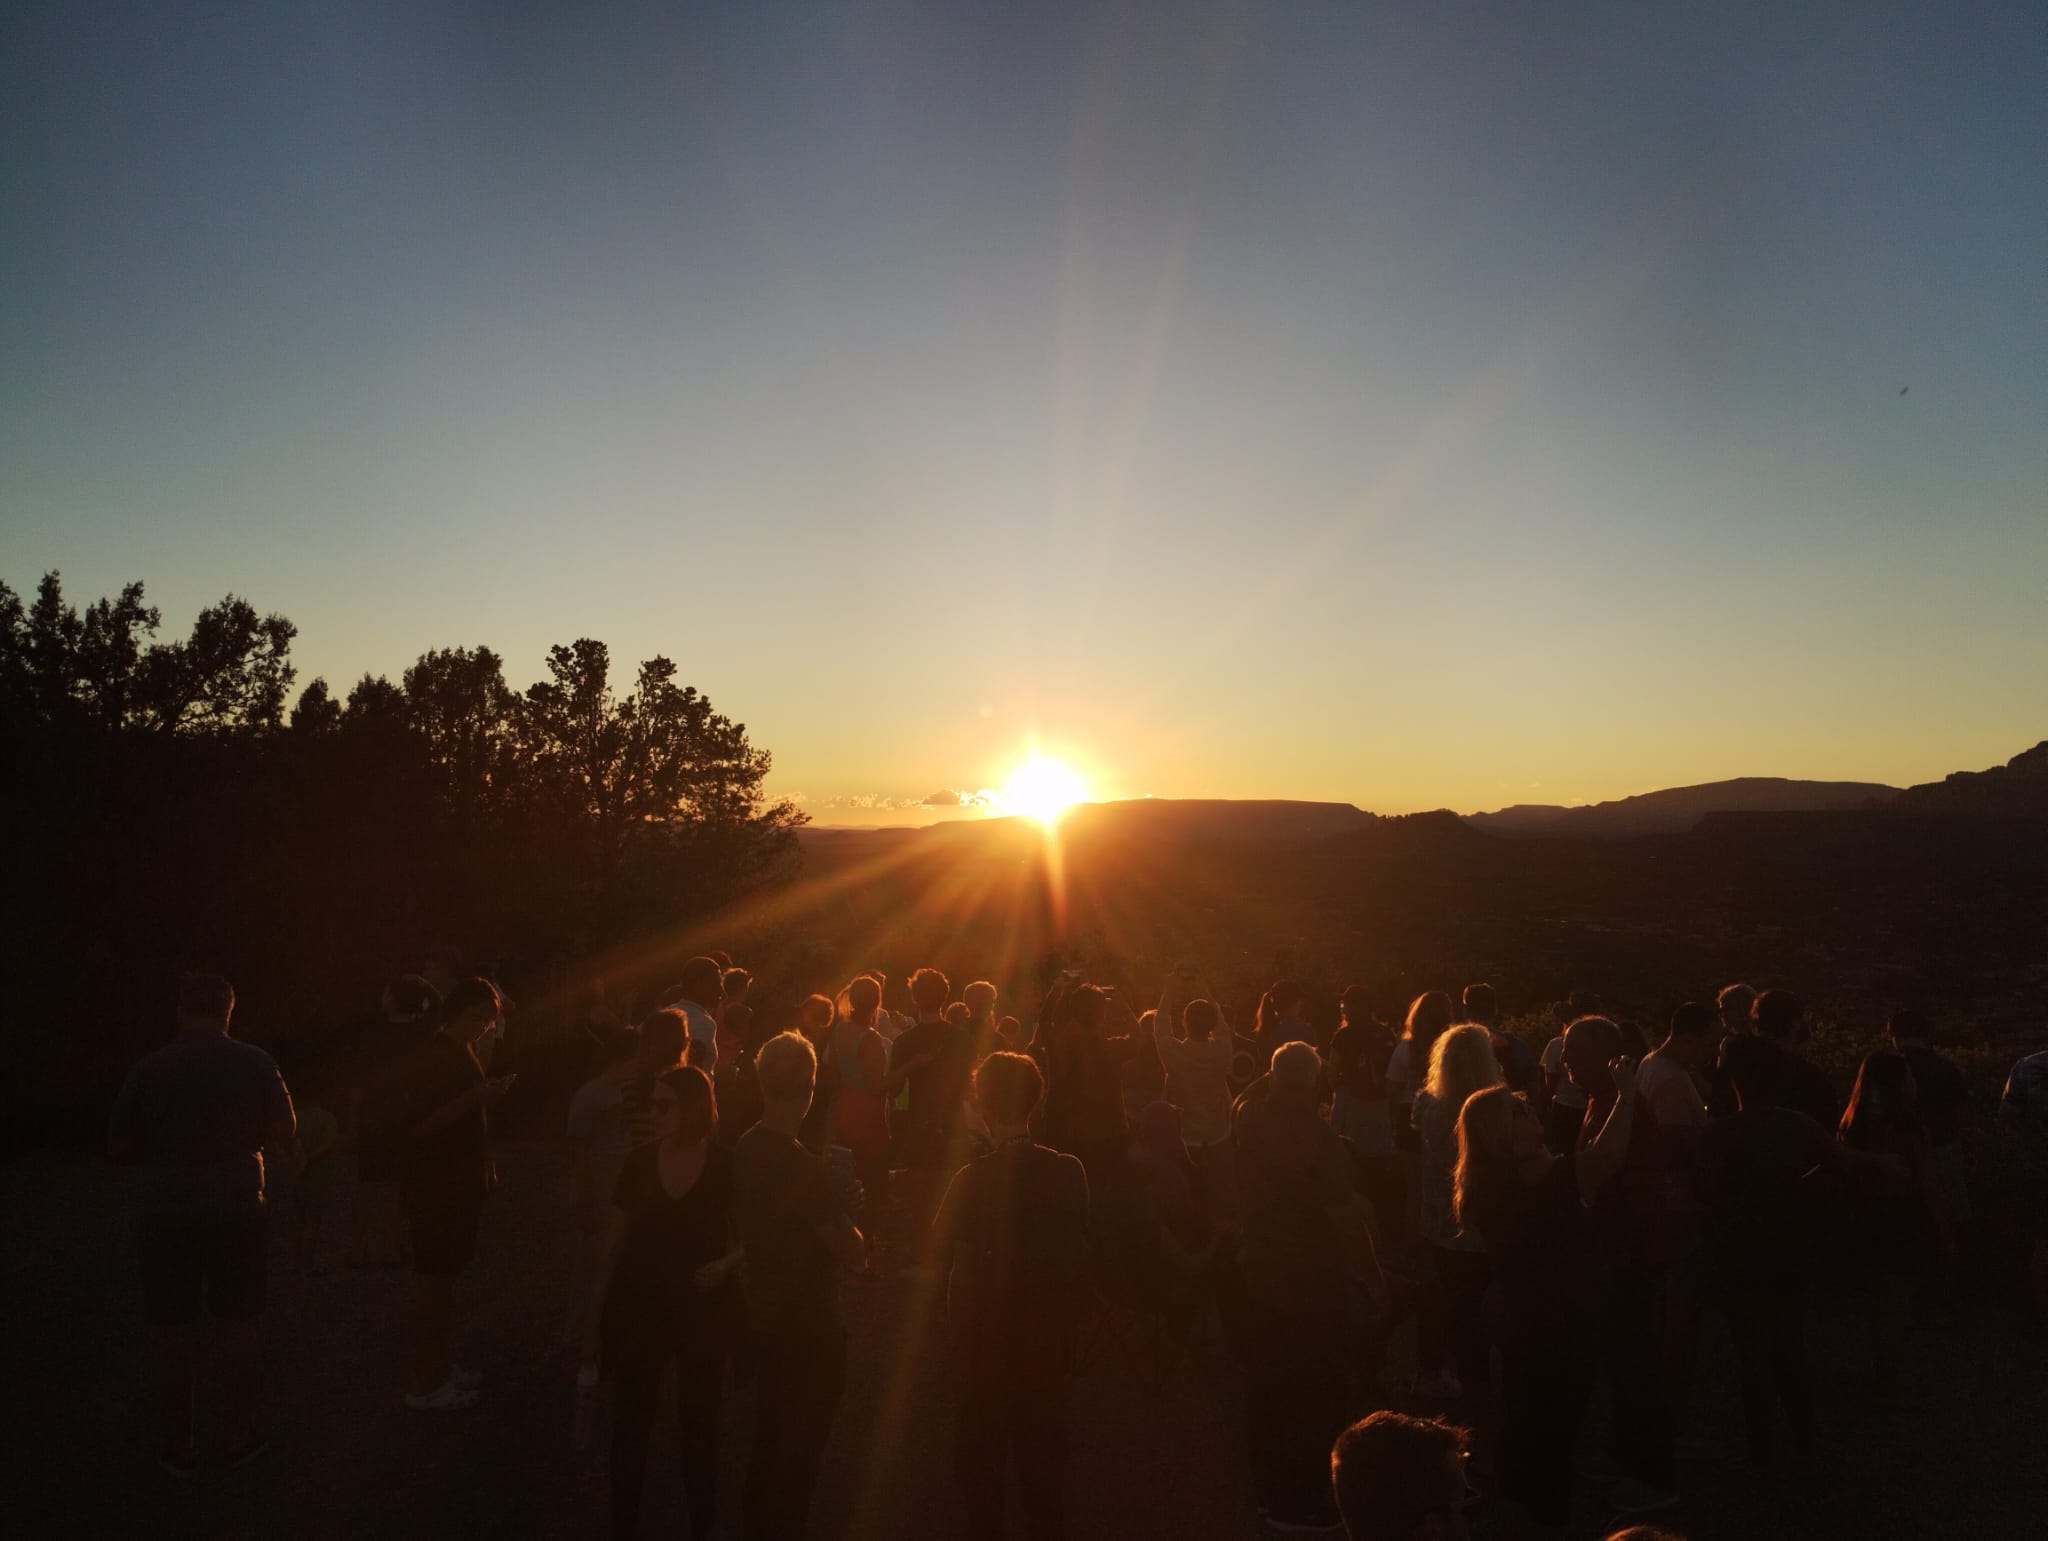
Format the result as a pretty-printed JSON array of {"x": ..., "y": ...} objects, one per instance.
[
  {"x": 1452, "y": 1335},
  {"x": 1529, "y": 1208}
]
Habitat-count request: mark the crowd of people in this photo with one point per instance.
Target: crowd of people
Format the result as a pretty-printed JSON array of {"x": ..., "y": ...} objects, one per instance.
[{"x": 1548, "y": 1221}]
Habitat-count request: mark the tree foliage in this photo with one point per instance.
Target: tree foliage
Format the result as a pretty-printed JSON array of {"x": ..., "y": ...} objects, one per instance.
[{"x": 173, "y": 806}]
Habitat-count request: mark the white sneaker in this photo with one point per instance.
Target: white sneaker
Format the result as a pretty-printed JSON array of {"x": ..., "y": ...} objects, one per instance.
[{"x": 444, "y": 1398}]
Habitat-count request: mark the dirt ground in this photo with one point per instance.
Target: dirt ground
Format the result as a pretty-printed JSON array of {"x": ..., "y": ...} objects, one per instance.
[{"x": 349, "y": 1460}]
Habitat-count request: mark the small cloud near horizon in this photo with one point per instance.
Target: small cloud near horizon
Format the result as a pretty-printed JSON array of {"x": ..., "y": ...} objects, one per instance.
[{"x": 945, "y": 797}]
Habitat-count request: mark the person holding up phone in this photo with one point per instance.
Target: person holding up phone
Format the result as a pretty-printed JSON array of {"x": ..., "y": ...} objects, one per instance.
[{"x": 446, "y": 1173}]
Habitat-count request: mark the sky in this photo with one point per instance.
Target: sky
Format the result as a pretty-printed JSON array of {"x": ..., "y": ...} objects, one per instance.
[{"x": 1412, "y": 406}]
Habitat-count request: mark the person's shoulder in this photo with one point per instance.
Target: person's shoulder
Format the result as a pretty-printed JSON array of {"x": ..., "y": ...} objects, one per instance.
[{"x": 245, "y": 1058}]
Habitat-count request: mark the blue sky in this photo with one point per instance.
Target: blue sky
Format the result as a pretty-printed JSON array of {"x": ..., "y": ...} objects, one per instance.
[{"x": 1407, "y": 405}]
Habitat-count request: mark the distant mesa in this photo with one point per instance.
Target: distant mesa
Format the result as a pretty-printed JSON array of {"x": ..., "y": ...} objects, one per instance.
[
  {"x": 1676, "y": 810},
  {"x": 2020, "y": 786}
]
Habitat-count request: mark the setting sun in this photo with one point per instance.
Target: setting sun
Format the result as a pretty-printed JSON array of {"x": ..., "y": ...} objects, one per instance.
[{"x": 1042, "y": 789}]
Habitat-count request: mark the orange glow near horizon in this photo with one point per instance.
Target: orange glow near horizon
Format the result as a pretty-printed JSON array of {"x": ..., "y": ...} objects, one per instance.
[{"x": 1042, "y": 789}]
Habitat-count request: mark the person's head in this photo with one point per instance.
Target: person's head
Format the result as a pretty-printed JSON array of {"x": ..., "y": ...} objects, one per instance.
[
  {"x": 1355, "y": 1004},
  {"x": 1461, "y": 1062},
  {"x": 1906, "y": 1029},
  {"x": 1779, "y": 1015},
  {"x": 1086, "y": 1005},
  {"x": 814, "y": 1015},
  {"x": 1591, "y": 1044},
  {"x": 409, "y": 998},
  {"x": 1633, "y": 1039},
  {"x": 786, "y": 1069},
  {"x": 663, "y": 1037},
  {"x": 1884, "y": 1097},
  {"x": 1007, "y": 1088},
  {"x": 861, "y": 1001},
  {"x": 1584, "y": 1003},
  {"x": 1295, "y": 1069},
  {"x": 1428, "y": 1015},
  {"x": 929, "y": 992},
  {"x": 1481, "y": 1005},
  {"x": 1010, "y": 1030},
  {"x": 470, "y": 1008},
  {"x": 1733, "y": 1003},
  {"x": 1497, "y": 1131},
  {"x": 739, "y": 1018},
  {"x": 1285, "y": 1000},
  {"x": 1754, "y": 1073},
  {"x": 1200, "y": 1020},
  {"x": 1695, "y": 1030},
  {"x": 981, "y": 1000},
  {"x": 957, "y": 1014},
  {"x": 1645, "y": 1533},
  {"x": 702, "y": 984},
  {"x": 682, "y": 1106},
  {"x": 734, "y": 984},
  {"x": 1399, "y": 1478},
  {"x": 722, "y": 958},
  {"x": 206, "y": 1002}
]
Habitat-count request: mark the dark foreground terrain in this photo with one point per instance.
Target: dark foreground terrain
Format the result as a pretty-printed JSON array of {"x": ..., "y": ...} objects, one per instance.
[{"x": 349, "y": 1460}]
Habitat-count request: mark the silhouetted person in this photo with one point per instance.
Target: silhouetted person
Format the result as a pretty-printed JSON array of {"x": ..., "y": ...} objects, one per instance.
[
  {"x": 1628, "y": 1216},
  {"x": 1563, "y": 1108},
  {"x": 936, "y": 1057},
  {"x": 1014, "y": 1235},
  {"x": 734, "y": 983},
  {"x": 698, "y": 995},
  {"x": 1669, "y": 1084},
  {"x": 1428, "y": 1016},
  {"x": 1280, "y": 1019},
  {"x": 1452, "y": 1346},
  {"x": 797, "y": 1237},
  {"x": 197, "y": 1115},
  {"x": 408, "y": 1012},
  {"x": 1779, "y": 1019},
  {"x": 862, "y": 1082},
  {"x": 1305, "y": 1243},
  {"x": 980, "y": 1000},
  {"x": 446, "y": 1174},
  {"x": 2023, "y": 1108},
  {"x": 1402, "y": 1479},
  {"x": 1084, "y": 1108},
  {"x": 1529, "y": 1206},
  {"x": 1196, "y": 1066},
  {"x": 665, "y": 1297},
  {"x": 1357, "y": 1069},
  {"x": 1891, "y": 1226},
  {"x": 1764, "y": 1219},
  {"x": 1942, "y": 1094},
  {"x": 1518, "y": 1065},
  {"x": 1732, "y": 1005}
]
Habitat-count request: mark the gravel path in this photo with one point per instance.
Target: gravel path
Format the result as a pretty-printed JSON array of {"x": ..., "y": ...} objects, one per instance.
[{"x": 349, "y": 1460}]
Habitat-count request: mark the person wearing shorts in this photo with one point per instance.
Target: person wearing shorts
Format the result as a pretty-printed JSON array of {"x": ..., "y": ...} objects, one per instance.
[
  {"x": 197, "y": 1115},
  {"x": 445, "y": 1174}
]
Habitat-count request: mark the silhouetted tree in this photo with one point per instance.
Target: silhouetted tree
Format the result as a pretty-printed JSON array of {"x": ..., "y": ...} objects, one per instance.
[{"x": 163, "y": 813}]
